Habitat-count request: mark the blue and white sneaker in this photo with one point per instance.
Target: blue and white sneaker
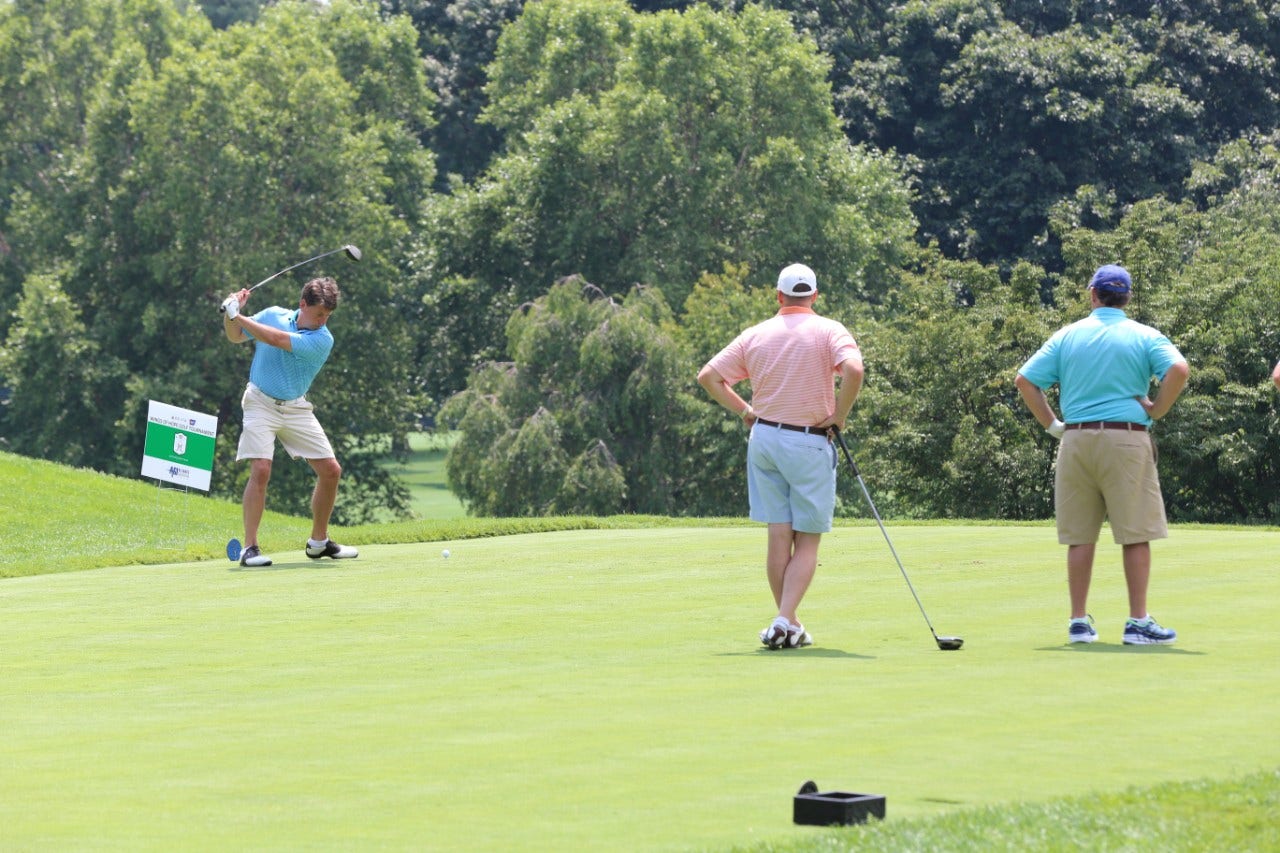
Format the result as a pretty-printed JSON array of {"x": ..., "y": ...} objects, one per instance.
[
  {"x": 775, "y": 634},
  {"x": 1081, "y": 631},
  {"x": 1147, "y": 632}
]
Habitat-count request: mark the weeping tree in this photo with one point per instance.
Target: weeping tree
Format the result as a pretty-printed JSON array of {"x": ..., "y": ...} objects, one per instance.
[{"x": 579, "y": 419}]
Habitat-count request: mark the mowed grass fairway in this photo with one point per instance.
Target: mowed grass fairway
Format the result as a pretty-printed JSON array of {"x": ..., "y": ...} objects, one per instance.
[{"x": 605, "y": 689}]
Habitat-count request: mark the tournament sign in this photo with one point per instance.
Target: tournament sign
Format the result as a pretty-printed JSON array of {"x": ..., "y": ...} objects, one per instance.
[{"x": 179, "y": 445}]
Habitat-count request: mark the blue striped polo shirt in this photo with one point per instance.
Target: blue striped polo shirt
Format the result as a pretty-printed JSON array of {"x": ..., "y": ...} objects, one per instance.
[{"x": 283, "y": 374}]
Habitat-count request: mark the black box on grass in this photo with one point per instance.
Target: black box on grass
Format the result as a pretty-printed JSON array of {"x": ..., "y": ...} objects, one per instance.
[{"x": 835, "y": 808}]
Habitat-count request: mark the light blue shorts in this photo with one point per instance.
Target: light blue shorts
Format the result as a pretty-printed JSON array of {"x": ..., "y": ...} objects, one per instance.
[{"x": 791, "y": 478}]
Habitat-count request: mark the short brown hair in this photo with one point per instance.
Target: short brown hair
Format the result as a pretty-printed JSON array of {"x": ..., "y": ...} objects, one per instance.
[
  {"x": 321, "y": 291},
  {"x": 1111, "y": 299}
]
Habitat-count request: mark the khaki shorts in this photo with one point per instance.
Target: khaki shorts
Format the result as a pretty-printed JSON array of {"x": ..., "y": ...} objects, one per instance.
[
  {"x": 1108, "y": 474},
  {"x": 293, "y": 422}
]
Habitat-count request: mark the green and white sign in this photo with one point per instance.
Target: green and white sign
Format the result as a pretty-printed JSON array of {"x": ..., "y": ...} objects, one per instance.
[{"x": 179, "y": 445}]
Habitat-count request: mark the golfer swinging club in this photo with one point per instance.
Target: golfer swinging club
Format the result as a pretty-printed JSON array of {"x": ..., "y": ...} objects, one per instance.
[
  {"x": 791, "y": 462},
  {"x": 290, "y": 347}
]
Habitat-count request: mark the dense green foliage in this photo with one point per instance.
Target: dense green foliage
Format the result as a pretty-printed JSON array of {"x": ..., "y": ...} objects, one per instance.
[
  {"x": 182, "y": 173},
  {"x": 583, "y": 413},
  {"x": 953, "y": 169},
  {"x": 1009, "y": 107},
  {"x": 689, "y": 141}
]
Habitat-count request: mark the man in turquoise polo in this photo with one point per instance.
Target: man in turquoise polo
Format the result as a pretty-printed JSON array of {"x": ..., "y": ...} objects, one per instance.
[
  {"x": 1106, "y": 467},
  {"x": 290, "y": 347}
]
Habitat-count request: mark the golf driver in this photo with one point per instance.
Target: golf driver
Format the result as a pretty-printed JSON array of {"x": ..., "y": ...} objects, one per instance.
[
  {"x": 947, "y": 644},
  {"x": 352, "y": 252}
]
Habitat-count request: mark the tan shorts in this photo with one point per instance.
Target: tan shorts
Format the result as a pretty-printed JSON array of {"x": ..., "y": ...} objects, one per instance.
[
  {"x": 293, "y": 422},
  {"x": 1108, "y": 474}
]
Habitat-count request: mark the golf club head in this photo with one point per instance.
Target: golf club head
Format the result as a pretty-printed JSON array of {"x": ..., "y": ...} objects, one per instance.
[
  {"x": 949, "y": 644},
  {"x": 353, "y": 252}
]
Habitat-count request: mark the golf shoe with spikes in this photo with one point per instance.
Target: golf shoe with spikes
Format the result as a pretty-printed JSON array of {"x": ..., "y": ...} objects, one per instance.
[
  {"x": 775, "y": 634},
  {"x": 798, "y": 637},
  {"x": 331, "y": 549},
  {"x": 253, "y": 557}
]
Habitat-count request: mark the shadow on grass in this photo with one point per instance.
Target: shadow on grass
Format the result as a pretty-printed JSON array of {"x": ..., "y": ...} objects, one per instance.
[
  {"x": 811, "y": 652},
  {"x": 284, "y": 567},
  {"x": 1118, "y": 648}
]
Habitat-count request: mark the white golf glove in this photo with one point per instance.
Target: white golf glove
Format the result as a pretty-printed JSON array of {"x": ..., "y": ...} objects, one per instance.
[
  {"x": 231, "y": 307},
  {"x": 1056, "y": 429}
]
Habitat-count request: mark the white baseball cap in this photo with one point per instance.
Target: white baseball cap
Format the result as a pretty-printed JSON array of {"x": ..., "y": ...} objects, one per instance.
[{"x": 797, "y": 280}]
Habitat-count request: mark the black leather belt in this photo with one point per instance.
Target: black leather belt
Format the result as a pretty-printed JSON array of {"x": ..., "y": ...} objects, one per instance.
[
  {"x": 1127, "y": 425},
  {"x": 794, "y": 428}
]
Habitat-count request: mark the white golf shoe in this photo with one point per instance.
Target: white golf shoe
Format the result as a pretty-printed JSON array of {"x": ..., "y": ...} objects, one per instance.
[
  {"x": 253, "y": 557},
  {"x": 331, "y": 549},
  {"x": 775, "y": 634}
]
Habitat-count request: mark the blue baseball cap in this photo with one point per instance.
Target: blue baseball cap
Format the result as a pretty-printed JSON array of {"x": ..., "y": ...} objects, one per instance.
[{"x": 1111, "y": 278}]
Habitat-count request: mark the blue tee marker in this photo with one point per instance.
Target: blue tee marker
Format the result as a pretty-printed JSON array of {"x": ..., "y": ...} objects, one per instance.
[{"x": 233, "y": 549}]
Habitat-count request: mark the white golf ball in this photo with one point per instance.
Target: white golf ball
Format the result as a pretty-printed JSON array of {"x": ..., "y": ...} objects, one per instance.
[{"x": 445, "y": 553}]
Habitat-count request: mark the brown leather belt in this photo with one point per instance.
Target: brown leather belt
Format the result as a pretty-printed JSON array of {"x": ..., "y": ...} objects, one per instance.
[{"x": 1127, "y": 425}]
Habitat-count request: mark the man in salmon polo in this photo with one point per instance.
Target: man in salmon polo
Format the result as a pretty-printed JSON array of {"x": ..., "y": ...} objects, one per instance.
[{"x": 790, "y": 360}]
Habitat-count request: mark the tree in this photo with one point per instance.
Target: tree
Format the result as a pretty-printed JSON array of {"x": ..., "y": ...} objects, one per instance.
[
  {"x": 457, "y": 40},
  {"x": 1200, "y": 276},
  {"x": 65, "y": 68},
  {"x": 198, "y": 173},
  {"x": 942, "y": 429},
  {"x": 712, "y": 480},
  {"x": 54, "y": 60},
  {"x": 1008, "y": 108},
  {"x": 224, "y": 13},
  {"x": 579, "y": 420},
  {"x": 49, "y": 344},
  {"x": 709, "y": 140}
]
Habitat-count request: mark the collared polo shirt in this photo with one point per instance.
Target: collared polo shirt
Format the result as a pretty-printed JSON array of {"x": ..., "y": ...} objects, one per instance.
[
  {"x": 283, "y": 374},
  {"x": 1101, "y": 365},
  {"x": 790, "y": 359}
]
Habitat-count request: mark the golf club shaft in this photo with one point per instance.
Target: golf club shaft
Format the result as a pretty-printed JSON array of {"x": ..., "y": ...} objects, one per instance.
[
  {"x": 865, "y": 493},
  {"x": 300, "y": 263}
]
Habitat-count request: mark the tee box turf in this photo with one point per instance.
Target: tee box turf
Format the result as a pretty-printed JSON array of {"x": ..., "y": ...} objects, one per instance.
[{"x": 835, "y": 808}]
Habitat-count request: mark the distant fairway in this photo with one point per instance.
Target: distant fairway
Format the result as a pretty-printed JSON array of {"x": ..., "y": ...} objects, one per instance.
[
  {"x": 423, "y": 473},
  {"x": 604, "y": 689}
]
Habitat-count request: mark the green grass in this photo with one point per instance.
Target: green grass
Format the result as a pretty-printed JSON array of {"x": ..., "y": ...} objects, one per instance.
[
  {"x": 596, "y": 684},
  {"x": 57, "y": 519},
  {"x": 423, "y": 472},
  {"x": 1182, "y": 817}
]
